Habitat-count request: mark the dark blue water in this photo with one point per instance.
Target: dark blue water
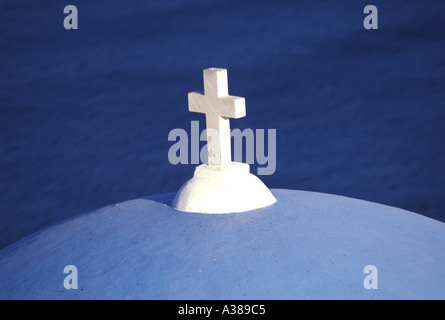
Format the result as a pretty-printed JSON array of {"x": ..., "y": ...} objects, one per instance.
[{"x": 85, "y": 114}]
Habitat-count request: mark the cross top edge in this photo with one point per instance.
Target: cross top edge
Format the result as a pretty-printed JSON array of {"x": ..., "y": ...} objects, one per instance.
[{"x": 216, "y": 69}]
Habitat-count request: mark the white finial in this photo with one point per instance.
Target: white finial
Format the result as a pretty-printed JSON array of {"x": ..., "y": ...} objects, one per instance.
[
  {"x": 222, "y": 186},
  {"x": 218, "y": 107}
]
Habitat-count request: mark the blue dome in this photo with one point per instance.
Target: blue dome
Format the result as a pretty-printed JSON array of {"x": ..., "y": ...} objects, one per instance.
[{"x": 305, "y": 246}]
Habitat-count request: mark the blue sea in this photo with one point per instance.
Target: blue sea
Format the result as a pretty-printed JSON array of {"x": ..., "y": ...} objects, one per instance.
[{"x": 85, "y": 114}]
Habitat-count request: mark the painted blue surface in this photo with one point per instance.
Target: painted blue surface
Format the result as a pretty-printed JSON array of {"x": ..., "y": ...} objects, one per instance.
[
  {"x": 306, "y": 246},
  {"x": 85, "y": 114}
]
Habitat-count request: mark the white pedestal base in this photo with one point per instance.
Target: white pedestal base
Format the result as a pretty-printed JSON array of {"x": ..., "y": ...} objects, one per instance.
[{"x": 216, "y": 190}]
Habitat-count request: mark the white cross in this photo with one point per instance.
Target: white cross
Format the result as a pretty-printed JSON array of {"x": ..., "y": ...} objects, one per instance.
[{"x": 218, "y": 107}]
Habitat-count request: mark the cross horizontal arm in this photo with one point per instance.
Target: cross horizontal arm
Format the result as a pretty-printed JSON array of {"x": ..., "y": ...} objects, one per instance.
[
  {"x": 228, "y": 106},
  {"x": 232, "y": 107}
]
